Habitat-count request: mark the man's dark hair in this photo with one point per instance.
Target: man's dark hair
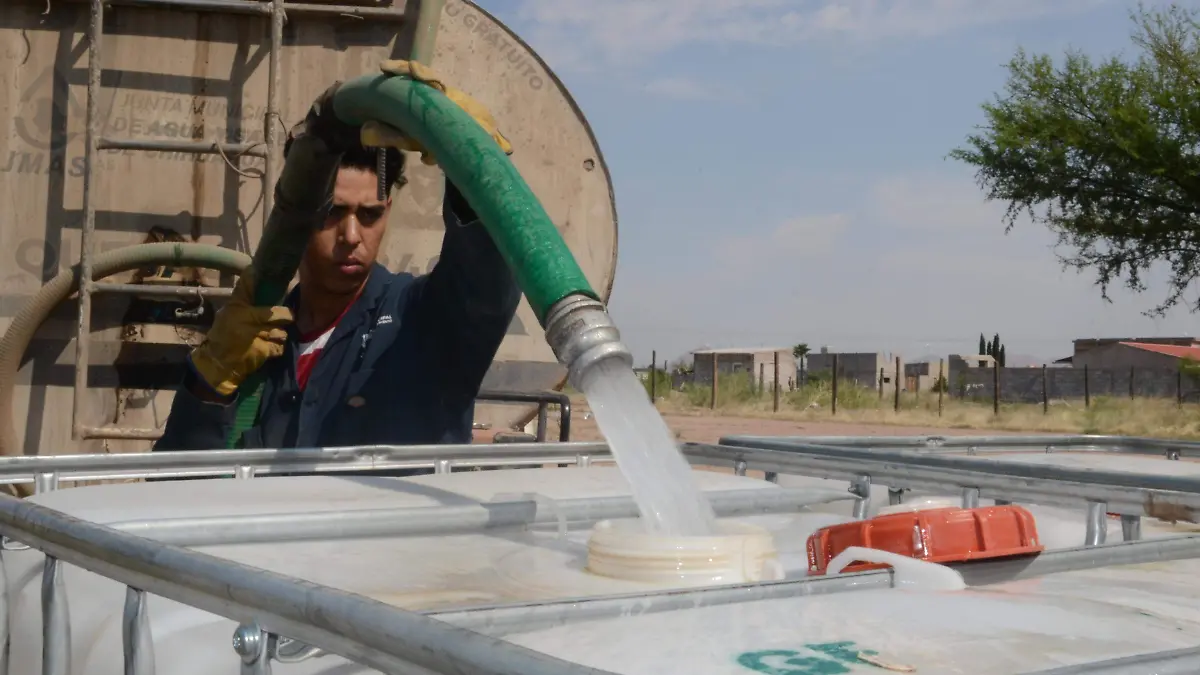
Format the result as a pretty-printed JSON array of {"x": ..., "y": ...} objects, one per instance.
[{"x": 367, "y": 159}]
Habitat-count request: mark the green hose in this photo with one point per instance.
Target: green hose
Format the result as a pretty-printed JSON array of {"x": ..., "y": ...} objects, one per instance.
[
  {"x": 301, "y": 196},
  {"x": 543, "y": 266},
  {"x": 33, "y": 313}
]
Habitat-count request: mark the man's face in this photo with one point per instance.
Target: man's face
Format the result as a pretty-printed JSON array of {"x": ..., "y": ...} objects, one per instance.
[{"x": 340, "y": 253}]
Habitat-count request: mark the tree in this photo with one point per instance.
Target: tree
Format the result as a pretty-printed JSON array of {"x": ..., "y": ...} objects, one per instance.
[
  {"x": 1000, "y": 358},
  {"x": 801, "y": 350},
  {"x": 982, "y": 345},
  {"x": 1103, "y": 154}
]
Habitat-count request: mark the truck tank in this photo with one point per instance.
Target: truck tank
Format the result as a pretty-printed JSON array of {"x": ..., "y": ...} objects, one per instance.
[{"x": 170, "y": 74}]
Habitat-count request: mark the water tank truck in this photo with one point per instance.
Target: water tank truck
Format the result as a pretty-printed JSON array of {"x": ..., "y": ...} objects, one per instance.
[{"x": 183, "y": 149}]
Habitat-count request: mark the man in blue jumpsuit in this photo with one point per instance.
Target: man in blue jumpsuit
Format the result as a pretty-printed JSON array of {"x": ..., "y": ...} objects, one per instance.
[{"x": 356, "y": 355}]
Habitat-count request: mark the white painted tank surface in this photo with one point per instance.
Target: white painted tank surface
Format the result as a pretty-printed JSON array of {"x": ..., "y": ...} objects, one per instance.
[
  {"x": 415, "y": 573},
  {"x": 1012, "y": 627},
  {"x": 1019, "y": 627}
]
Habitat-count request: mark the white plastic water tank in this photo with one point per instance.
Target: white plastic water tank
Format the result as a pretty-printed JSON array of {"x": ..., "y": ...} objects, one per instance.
[{"x": 414, "y": 573}]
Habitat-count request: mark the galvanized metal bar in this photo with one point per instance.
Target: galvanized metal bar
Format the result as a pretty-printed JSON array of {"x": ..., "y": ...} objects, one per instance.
[
  {"x": 264, "y": 8},
  {"x": 500, "y": 620},
  {"x": 370, "y": 633},
  {"x": 992, "y": 444},
  {"x": 860, "y": 487},
  {"x": 230, "y": 150},
  {"x": 379, "y": 13},
  {"x": 136, "y": 638},
  {"x": 970, "y": 498},
  {"x": 542, "y": 421},
  {"x": 220, "y": 6},
  {"x": 272, "y": 119},
  {"x": 5, "y": 628},
  {"x": 1131, "y": 528},
  {"x": 190, "y": 464},
  {"x": 1174, "y": 497},
  {"x": 1097, "y": 523},
  {"x": 1172, "y": 662},
  {"x": 162, "y": 291},
  {"x": 443, "y": 520},
  {"x": 46, "y": 481},
  {"x": 1166, "y": 549},
  {"x": 56, "y": 621},
  {"x": 83, "y": 328},
  {"x": 425, "y": 30}
]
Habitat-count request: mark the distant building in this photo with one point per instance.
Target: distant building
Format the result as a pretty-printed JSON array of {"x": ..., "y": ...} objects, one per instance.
[
  {"x": 924, "y": 375},
  {"x": 1148, "y": 355},
  {"x": 1110, "y": 346},
  {"x": 747, "y": 360},
  {"x": 862, "y": 368}
]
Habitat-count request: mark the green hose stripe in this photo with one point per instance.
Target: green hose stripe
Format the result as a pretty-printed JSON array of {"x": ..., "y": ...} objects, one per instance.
[{"x": 543, "y": 266}]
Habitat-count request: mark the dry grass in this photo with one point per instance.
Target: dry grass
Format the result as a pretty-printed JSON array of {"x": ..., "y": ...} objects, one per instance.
[{"x": 1121, "y": 416}]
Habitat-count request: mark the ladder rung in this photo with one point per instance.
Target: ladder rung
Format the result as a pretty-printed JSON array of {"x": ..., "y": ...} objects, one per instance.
[
  {"x": 224, "y": 6},
  {"x": 365, "y": 12},
  {"x": 194, "y": 147},
  {"x": 163, "y": 291},
  {"x": 123, "y": 433},
  {"x": 250, "y": 7}
]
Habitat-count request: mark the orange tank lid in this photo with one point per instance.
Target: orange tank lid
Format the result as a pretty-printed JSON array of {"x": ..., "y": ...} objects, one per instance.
[{"x": 933, "y": 535}]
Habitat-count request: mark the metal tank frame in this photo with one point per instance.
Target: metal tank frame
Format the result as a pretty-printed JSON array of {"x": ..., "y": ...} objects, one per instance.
[{"x": 285, "y": 620}]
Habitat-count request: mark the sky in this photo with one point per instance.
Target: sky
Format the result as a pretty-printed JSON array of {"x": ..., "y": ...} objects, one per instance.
[{"x": 781, "y": 172}]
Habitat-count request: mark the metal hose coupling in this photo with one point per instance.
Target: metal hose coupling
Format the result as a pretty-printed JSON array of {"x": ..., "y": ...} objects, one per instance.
[{"x": 582, "y": 334}]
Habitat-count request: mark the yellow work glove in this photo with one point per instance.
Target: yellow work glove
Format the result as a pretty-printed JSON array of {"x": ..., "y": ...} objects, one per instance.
[
  {"x": 376, "y": 135},
  {"x": 242, "y": 338}
]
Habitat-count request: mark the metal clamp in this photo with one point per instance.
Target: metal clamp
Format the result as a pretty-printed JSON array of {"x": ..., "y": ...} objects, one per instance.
[{"x": 254, "y": 646}]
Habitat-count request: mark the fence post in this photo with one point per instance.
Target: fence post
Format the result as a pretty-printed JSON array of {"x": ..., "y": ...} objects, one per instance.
[
  {"x": 1045, "y": 393},
  {"x": 1131, "y": 396},
  {"x": 775, "y": 384},
  {"x": 941, "y": 383},
  {"x": 896, "y": 405},
  {"x": 881, "y": 384},
  {"x": 670, "y": 380},
  {"x": 713, "y": 403},
  {"x": 835, "y": 381},
  {"x": 995, "y": 387},
  {"x": 1087, "y": 388},
  {"x": 653, "y": 374},
  {"x": 762, "y": 383}
]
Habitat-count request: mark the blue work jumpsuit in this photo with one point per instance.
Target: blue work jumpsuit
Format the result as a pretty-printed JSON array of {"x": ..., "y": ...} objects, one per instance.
[{"x": 402, "y": 367}]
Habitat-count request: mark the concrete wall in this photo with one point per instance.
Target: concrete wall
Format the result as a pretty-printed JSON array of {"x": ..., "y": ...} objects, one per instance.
[
  {"x": 744, "y": 364},
  {"x": 1024, "y": 385},
  {"x": 859, "y": 368}
]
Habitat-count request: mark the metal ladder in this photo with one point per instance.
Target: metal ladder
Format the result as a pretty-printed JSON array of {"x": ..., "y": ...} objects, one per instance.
[{"x": 277, "y": 11}]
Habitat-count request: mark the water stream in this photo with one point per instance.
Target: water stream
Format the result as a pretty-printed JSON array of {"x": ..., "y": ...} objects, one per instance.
[{"x": 646, "y": 451}]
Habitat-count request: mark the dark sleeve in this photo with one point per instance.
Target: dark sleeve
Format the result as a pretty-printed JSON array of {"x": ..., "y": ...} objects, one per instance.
[
  {"x": 194, "y": 423},
  {"x": 466, "y": 303}
]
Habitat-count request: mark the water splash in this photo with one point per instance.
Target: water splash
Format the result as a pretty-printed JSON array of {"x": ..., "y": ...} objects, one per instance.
[{"x": 645, "y": 450}]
